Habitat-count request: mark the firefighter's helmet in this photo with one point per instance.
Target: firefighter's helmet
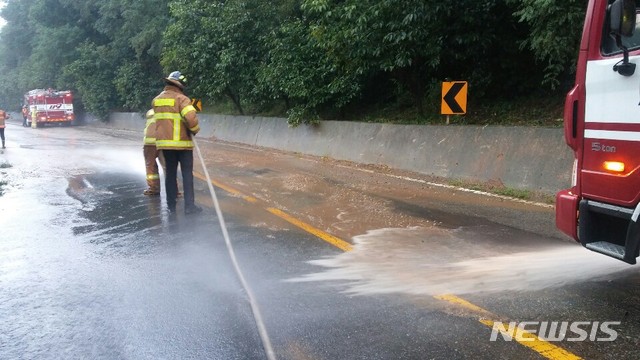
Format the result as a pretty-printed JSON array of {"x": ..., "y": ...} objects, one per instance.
[
  {"x": 176, "y": 78},
  {"x": 149, "y": 114}
]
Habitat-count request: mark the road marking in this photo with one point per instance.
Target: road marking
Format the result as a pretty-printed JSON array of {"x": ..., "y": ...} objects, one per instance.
[
  {"x": 339, "y": 243},
  {"x": 452, "y": 187},
  {"x": 528, "y": 339},
  {"x": 533, "y": 342},
  {"x": 462, "y": 302},
  {"x": 227, "y": 188}
]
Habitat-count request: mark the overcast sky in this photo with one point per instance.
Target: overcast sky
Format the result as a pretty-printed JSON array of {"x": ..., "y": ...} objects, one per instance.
[{"x": 2, "y": 22}]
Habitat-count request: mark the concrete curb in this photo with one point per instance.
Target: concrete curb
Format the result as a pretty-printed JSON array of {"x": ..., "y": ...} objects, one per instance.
[{"x": 518, "y": 157}]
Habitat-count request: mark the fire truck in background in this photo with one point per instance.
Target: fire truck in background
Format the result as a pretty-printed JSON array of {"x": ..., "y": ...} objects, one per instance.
[
  {"x": 602, "y": 126},
  {"x": 49, "y": 107}
]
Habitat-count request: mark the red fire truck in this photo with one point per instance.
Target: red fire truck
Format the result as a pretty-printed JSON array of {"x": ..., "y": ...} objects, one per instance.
[
  {"x": 602, "y": 126},
  {"x": 49, "y": 107}
]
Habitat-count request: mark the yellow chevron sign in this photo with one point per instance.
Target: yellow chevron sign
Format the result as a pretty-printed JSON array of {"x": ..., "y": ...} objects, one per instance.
[
  {"x": 454, "y": 98},
  {"x": 197, "y": 103}
]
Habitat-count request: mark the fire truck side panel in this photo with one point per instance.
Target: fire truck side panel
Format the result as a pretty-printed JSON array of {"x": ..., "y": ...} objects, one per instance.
[
  {"x": 602, "y": 126},
  {"x": 611, "y": 132},
  {"x": 567, "y": 200}
]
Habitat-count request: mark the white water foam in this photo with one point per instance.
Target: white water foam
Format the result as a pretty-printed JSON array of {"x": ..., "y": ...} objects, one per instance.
[{"x": 434, "y": 261}]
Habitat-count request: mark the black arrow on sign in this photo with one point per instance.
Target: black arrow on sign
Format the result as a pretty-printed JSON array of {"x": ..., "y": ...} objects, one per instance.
[{"x": 450, "y": 98}]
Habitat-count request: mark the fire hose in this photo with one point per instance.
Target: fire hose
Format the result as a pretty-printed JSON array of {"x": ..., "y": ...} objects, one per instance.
[{"x": 262, "y": 330}]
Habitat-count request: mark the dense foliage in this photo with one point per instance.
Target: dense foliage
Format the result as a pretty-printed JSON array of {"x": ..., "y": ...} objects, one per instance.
[{"x": 309, "y": 59}]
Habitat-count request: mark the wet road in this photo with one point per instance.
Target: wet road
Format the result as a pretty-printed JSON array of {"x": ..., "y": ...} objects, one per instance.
[{"x": 345, "y": 261}]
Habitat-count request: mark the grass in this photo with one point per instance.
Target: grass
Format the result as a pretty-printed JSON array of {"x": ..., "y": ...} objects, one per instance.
[
  {"x": 536, "y": 111},
  {"x": 4, "y": 183},
  {"x": 545, "y": 111},
  {"x": 496, "y": 187}
]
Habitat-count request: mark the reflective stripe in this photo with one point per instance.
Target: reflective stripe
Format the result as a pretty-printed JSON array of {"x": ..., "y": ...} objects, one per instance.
[
  {"x": 149, "y": 140},
  {"x": 195, "y": 129},
  {"x": 164, "y": 102},
  {"x": 174, "y": 144},
  {"x": 153, "y": 177},
  {"x": 612, "y": 135},
  {"x": 168, "y": 116},
  {"x": 177, "y": 123},
  {"x": 187, "y": 110}
]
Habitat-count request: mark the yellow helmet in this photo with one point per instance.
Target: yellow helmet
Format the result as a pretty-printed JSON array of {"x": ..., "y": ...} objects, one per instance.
[{"x": 150, "y": 114}]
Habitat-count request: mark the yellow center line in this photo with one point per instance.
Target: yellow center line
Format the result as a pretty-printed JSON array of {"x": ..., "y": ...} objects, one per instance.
[
  {"x": 525, "y": 338},
  {"x": 339, "y": 243},
  {"x": 226, "y": 188}
]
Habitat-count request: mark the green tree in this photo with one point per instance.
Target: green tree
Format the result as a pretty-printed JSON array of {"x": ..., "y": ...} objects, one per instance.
[
  {"x": 219, "y": 45},
  {"x": 299, "y": 71},
  {"x": 554, "y": 35}
]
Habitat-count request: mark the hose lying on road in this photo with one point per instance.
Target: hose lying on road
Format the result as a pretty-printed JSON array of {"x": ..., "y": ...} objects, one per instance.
[{"x": 264, "y": 336}]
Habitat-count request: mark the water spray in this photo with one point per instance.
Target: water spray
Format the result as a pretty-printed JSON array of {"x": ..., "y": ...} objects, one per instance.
[{"x": 262, "y": 330}]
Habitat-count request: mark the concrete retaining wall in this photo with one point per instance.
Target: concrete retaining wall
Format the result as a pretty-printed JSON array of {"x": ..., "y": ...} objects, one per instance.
[{"x": 518, "y": 157}]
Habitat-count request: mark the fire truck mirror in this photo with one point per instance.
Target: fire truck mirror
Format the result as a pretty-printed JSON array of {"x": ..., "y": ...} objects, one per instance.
[{"x": 622, "y": 17}]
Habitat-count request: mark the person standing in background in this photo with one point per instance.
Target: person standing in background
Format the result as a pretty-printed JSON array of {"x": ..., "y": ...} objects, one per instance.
[
  {"x": 25, "y": 115},
  {"x": 3, "y": 116}
]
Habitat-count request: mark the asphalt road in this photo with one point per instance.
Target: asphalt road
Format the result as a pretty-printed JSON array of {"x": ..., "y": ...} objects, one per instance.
[{"x": 345, "y": 261}]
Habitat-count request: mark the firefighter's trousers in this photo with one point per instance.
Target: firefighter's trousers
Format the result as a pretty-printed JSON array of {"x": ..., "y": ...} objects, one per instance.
[
  {"x": 153, "y": 176},
  {"x": 185, "y": 159}
]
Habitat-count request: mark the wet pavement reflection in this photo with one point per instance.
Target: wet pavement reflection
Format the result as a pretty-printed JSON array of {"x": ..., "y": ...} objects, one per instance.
[{"x": 91, "y": 268}]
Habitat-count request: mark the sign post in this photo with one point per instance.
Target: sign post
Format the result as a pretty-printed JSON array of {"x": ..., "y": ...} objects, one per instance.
[{"x": 454, "y": 98}]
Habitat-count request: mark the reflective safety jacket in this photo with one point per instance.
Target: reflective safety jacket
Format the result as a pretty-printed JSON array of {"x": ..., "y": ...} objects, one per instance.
[
  {"x": 175, "y": 118},
  {"x": 150, "y": 129},
  {"x": 3, "y": 117}
]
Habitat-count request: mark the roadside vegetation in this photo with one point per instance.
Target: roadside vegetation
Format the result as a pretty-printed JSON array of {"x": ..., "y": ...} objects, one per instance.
[
  {"x": 3, "y": 183},
  {"x": 500, "y": 189},
  {"x": 308, "y": 60}
]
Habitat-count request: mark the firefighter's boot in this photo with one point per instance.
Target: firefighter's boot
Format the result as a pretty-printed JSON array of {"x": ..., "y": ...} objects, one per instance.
[
  {"x": 151, "y": 192},
  {"x": 3, "y": 144},
  {"x": 192, "y": 210}
]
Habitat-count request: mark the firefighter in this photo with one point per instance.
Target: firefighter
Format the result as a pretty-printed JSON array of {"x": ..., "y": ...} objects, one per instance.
[
  {"x": 25, "y": 115},
  {"x": 3, "y": 116},
  {"x": 34, "y": 114},
  {"x": 176, "y": 123},
  {"x": 150, "y": 155}
]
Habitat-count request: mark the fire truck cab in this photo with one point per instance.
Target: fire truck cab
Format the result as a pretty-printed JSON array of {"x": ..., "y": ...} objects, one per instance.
[
  {"x": 49, "y": 107},
  {"x": 602, "y": 126}
]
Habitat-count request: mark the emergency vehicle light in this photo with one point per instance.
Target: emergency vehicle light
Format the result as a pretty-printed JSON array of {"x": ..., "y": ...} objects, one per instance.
[{"x": 615, "y": 166}]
